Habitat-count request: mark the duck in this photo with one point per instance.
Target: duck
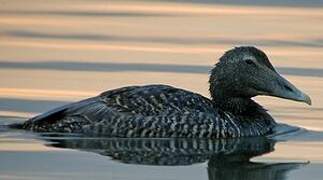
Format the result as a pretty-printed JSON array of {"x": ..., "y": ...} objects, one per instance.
[{"x": 164, "y": 111}]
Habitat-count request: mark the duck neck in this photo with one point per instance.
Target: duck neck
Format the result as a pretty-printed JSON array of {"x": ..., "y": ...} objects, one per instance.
[{"x": 236, "y": 105}]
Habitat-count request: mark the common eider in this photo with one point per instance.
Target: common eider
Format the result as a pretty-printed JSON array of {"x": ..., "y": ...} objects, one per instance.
[{"x": 164, "y": 111}]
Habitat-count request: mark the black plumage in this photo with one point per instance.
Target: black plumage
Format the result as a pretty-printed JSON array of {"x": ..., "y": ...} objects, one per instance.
[{"x": 166, "y": 111}]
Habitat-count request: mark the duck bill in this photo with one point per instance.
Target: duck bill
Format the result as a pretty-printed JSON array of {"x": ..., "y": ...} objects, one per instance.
[{"x": 278, "y": 86}]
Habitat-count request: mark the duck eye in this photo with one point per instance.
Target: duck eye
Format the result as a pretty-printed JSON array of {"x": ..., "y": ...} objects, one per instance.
[{"x": 249, "y": 61}]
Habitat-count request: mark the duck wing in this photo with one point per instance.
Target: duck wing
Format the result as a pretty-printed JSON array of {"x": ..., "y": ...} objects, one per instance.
[{"x": 130, "y": 112}]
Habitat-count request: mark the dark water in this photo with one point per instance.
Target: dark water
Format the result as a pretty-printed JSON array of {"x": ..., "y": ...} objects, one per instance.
[{"x": 135, "y": 158}]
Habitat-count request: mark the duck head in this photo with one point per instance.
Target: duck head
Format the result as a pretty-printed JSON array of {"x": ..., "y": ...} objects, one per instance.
[{"x": 245, "y": 72}]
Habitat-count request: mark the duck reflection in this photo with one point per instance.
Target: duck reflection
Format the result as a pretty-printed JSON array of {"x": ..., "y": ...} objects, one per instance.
[{"x": 227, "y": 158}]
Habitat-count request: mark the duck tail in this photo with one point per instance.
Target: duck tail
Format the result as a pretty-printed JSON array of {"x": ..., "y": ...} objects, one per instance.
[{"x": 15, "y": 126}]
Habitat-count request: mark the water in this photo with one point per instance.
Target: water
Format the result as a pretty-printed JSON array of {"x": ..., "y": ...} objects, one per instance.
[{"x": 56, "y": 52}]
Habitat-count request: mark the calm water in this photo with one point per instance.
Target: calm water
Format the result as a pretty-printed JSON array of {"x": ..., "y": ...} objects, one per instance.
[{"x": 56, "y": 52}]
